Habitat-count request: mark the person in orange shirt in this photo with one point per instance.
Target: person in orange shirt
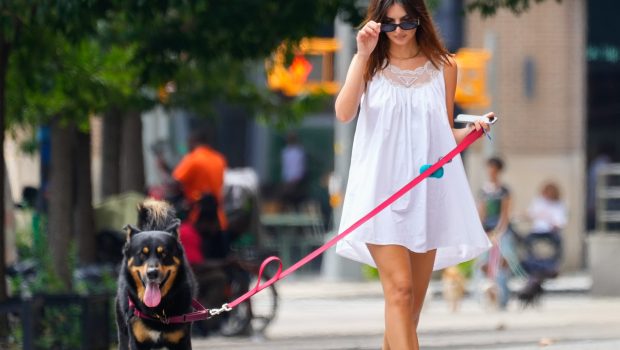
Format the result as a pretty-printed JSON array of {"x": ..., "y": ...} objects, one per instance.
[
  {"x": 201, "y": 176},
  {"x": 201, "y": 172}
]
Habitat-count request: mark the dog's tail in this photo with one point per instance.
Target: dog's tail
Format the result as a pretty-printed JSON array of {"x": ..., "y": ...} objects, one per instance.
[{"x": 155, "y": 215}]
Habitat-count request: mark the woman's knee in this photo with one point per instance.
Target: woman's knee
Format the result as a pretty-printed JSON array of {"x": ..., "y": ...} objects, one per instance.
[{"x": 399, "y": 292}]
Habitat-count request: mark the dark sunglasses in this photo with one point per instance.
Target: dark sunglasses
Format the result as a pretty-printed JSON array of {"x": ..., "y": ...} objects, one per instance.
[{"x": 390, "y": 27}]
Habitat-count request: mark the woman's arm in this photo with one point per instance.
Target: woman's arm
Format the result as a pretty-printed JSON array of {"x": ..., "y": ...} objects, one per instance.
[
  {"x": 450, "y": 74},
  {"x": 348, "y": 99}
]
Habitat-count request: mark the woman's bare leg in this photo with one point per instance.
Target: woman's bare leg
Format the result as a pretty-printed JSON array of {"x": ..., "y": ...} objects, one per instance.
[
  {"x": 394, "y": 265},
  {"x": 421, "y": 270}
]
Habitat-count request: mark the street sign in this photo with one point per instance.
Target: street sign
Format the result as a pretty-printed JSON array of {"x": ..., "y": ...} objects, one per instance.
[{"x": 471, "y": 87}]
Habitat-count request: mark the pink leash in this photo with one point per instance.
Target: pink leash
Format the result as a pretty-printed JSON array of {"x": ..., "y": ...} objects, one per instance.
[{"x": 203, "y": 313}]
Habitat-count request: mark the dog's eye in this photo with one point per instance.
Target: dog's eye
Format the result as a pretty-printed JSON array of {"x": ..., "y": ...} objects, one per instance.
[{"x": 161, "y": 251}]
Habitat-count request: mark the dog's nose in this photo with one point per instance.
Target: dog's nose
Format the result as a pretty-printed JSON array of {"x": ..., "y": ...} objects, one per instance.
[{"x": 152, "y": 273}]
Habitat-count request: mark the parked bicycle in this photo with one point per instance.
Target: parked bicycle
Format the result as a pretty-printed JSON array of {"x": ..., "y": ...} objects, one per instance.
[{"x": 222, "y": 281}]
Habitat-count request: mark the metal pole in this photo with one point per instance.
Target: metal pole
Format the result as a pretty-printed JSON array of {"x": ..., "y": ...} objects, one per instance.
[
  {"x": 335, "y": 267},
  {"x": 490, "y": 44}
]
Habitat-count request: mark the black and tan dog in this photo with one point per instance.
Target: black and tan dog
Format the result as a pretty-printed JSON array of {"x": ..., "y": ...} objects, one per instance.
[{"x": 156, "y": 279}]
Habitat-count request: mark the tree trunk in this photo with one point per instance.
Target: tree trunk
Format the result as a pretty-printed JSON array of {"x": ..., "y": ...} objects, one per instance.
[
  {"x": 132, "y": 155},
  {"x": 84, "y": 213},
  {"x": 61, "y": 200},
  {"x": 4, "y": 66},
  {"x": 111, "y": 146}
]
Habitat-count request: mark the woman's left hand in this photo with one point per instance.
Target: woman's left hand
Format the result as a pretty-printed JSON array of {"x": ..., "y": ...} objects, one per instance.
[{"x": 483, "y": 125}]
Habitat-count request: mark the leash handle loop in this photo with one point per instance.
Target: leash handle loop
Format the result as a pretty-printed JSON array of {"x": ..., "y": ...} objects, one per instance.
[{"x": 277, "y": 276}]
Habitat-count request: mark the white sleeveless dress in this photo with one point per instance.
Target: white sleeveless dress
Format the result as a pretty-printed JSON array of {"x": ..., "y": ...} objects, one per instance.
[{"x": 402, "y": 125}]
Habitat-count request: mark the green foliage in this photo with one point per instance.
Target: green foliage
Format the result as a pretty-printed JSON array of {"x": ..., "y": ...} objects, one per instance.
[
  {"x": 201, "y": 84},
  {"x": 211, "y": 49},
  {"x": 73, "y": 19},
  {"x": 489, "y": 7},
  {"x": 60, "y": 328},
  {"x": 467, "y": 268},
  {"x": 74, "y": 81},
  {"x": 370, "y": 273},
  {"x": 127, "y": 48}
]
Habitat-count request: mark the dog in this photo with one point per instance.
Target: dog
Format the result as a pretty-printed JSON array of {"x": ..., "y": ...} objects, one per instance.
[
  {"x": 453, "y": 284},
  {"x": 156, "y": 279}
]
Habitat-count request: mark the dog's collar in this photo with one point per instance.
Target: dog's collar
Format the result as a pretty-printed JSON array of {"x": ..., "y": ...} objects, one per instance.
[
  {"x": 140, "y": 314},
  {"x": 201, "y": 313}
]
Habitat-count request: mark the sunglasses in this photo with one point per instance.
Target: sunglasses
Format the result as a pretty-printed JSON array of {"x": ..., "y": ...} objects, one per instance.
[{"x": 390, "y": 27}]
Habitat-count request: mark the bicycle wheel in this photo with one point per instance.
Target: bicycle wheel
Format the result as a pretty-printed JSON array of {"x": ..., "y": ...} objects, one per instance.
[
  {"x": 237, "y": 321},
  {"x": 263, "y": 305}
]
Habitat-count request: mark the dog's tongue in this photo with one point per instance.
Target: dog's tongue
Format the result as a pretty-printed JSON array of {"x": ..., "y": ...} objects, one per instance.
[{"x": 152, "y": 295}]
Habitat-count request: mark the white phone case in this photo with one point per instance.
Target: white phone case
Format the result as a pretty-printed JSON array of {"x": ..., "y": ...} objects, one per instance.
[{"x": 469, "y": 118}]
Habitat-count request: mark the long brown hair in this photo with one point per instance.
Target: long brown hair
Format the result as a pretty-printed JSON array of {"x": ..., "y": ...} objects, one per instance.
[{"x": 426, "y": 34}]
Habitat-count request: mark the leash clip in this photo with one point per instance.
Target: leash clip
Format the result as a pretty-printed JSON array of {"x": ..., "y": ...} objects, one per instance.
[
  {"x": 224, "y": 308},
  {"x": 163, "y": 318}
]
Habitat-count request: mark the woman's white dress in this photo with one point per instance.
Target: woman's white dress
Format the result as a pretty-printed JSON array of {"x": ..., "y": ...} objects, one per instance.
[{"x": 402, "y": 125}]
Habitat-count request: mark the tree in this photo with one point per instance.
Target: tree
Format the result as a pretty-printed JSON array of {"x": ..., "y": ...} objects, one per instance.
[
  {"x": 75, "y": 80},
  {"x": 20, "y": 23}
]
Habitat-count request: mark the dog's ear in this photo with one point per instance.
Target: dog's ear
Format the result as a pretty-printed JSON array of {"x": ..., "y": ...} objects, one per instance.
[
  {"x": 173, "y": 228},
  {"x": 131, "y": 230}
]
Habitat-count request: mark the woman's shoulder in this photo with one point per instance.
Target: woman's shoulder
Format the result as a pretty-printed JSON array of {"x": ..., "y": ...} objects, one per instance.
[{"x": 449, "y": 65}]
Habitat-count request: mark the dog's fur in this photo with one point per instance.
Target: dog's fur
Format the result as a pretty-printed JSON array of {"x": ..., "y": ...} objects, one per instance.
[
  {"x": 153, "y": 254},
  {"x": 532, "y": 292}
]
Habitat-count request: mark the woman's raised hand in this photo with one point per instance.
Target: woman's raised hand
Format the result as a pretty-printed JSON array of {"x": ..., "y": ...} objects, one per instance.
[{"x": 367, "y": 38}]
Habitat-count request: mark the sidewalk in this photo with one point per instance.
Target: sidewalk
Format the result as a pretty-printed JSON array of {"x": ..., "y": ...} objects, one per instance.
[
  {"x": 319, "y": 315},
  {"x": 563, "y": 321}
]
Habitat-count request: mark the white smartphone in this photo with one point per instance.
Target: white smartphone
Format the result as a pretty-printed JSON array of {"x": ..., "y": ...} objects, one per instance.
[{"x": 469, "y": 118}]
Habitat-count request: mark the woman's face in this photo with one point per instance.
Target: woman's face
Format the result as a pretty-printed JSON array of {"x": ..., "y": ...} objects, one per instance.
[{"x": 396, "y": 14}]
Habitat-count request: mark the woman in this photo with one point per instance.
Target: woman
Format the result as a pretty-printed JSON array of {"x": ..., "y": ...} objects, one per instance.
[{"x": 403, "y": 80}]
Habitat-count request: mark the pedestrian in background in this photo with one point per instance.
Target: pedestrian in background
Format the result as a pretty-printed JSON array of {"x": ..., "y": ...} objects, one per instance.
[
  {"x": 548, "y": 215},
  {"x": 198, "y": 197},
  {"x": 494, "y": 205},
  {"x": 544, "y": 242},
  {"x": 403, "y": 81},
  {"x": 293, "y": 160}
]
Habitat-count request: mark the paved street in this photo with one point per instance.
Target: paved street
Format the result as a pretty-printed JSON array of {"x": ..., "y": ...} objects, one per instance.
[{"x": 318, "y": 315}]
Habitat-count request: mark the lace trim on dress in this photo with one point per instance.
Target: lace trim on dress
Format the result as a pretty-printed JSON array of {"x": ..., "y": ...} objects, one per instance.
[{"x": 410, "y": 77}]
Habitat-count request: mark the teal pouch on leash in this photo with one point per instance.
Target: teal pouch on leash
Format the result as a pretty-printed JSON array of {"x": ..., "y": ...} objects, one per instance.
[{"x": 437, "y": 174}]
